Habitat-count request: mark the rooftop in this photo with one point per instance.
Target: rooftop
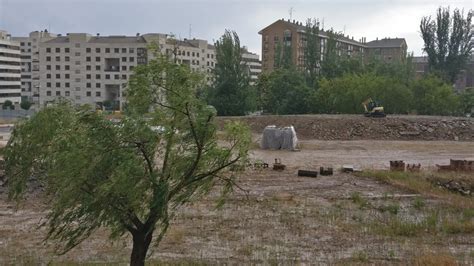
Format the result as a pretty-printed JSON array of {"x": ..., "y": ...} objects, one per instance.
[{"x": 386, "y": 43}]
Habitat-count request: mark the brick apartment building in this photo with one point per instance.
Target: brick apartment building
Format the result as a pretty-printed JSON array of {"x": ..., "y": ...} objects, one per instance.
[{"x": 293, "y": 34}]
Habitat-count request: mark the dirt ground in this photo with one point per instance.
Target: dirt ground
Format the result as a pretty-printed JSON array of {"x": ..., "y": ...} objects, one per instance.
[{"x": 284, "y": 219}]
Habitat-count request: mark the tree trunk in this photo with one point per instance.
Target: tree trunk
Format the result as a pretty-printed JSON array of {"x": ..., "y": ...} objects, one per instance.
[{"x": 141, "y": 242}]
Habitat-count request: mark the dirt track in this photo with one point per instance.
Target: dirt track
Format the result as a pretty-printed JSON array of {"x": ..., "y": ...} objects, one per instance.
[{"x": 358, "y": 127}]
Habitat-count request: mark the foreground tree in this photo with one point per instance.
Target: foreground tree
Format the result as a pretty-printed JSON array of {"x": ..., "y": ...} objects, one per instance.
[
  {"x": 312, "y": 51},
  {"x": 128, "y": 176},
  {"x": 231, "y": 93},
  {"x": 448, "y": 42}
]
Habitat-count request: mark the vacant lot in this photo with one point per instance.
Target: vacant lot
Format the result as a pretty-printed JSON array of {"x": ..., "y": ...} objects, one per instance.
[{"x": 340, "y": 219}]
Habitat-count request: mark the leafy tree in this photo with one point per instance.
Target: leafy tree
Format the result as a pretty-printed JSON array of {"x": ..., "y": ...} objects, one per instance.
[
  {"x": 129, "y": 176},
  {"x": 448, "y": 42},
  {"x": 431, "y": 96},
  {"x": 25, "y": 105},
  {"x": 312, "y": 51},
  {"x": 285, "y": 92},
  {"x": 8, "y": 105},
  {"x": 467, "y": 101},
  {"x": 231, "y": 93}
]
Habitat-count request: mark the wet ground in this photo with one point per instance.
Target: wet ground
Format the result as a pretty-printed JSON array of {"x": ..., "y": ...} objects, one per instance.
[{"x": 283, "y": 218}]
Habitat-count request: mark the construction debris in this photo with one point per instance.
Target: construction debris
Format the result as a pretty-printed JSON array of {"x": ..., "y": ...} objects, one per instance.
[
  {"x": 413, "y": 167},
  {"x": 325, "y": 170},
  {"x": 278, "y": 166},
  {"x": 397, "y": 166},
  {"x": 279, "y": 138},
  {"x": 457, "y": 165},
  {"x": 307, "y": 173}
]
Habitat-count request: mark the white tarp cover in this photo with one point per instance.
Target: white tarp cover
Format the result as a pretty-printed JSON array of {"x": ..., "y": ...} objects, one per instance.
[{"x": 275, "y": 138}]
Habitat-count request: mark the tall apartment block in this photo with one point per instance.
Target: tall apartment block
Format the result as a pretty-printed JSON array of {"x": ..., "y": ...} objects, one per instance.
[
  {"x": 253, "y": 62},
  {"x": 293, "y": 35},
  {"x": 30, "y": 64},
  {"x": 88, "y": 69},
  {"x": 10, "y": 69}
]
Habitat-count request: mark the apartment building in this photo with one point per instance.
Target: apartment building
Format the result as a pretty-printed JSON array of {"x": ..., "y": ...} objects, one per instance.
[
  {"x": 387, "y": 49},
  {"x": 252, "y": 60},
  {"x": 30, "y": 77},
  {"x": 10, "y": 69},
  {"x": 293, "y": 34},
  {"x": 464, "y": 80}
]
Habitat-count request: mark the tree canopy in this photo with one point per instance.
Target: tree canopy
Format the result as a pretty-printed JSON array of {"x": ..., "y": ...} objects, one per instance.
[
  {"x": 448, "y": 41},
  {"x": 132, "y": 175},
  {"x": 231, "y": 93}
]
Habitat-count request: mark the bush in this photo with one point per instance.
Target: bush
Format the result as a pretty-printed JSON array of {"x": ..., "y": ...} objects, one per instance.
[
  {"x": 8, "y": 105},
  {"x": 25, "y": 105}
]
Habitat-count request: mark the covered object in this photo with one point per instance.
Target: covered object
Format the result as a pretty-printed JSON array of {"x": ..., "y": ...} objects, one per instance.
[{"x": 275, "y": 138}]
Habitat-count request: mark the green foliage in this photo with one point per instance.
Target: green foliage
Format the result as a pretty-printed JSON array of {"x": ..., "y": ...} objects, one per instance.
[
  {"x": 284, "y": 91},
  {"x": 433, "y": 97},
  {"x": 25, "y": 105},
  {"x": 8, "y": 105},
  {"x": 132, "y": 175},
  {"x": 467, "y": 101},
  {"x": 312, "y": 52},
  {"x": 448, "y": 41},
  {"x": 231, "y": 93}
]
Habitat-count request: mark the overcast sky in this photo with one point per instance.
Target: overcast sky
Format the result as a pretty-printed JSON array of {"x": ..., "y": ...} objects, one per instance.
[{"x": 207, "y": 19}]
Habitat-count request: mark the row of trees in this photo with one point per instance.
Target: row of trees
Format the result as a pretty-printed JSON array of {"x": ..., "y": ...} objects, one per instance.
[{"x": 338, "y": 84}]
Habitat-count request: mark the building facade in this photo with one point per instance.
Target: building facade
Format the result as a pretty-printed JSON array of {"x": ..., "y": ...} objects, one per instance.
[
  {"x": 293, "y": 34},
  {"x": 30, "y": 76},
  {"x": 94, "y": 70},
  {"x": 10, "y": 69},
  {"x": 464, "y": 80}
]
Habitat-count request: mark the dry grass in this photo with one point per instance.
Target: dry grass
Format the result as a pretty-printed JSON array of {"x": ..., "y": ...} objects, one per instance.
[{"x": 431, "y": 259}]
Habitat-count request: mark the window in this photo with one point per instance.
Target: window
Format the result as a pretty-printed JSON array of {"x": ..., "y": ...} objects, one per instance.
[
  {"x": 124, "y": 50},
  {"x": 67, "y": 93},
  {"x": 48, "y": 58},
  {"x": 48, "y": 93},
  {"x": 66, "y": 50},
  {"x": 124, "y": 68},
  {"x": 124, "y": 59},
  {"x": 77, "y": 71},
  {"x": 97, "y": 94},
  {"x": 97, "y": 59},
  {"x": 88, "y": 76},
  {"x": 124, "y": 76},
  {"x": 97, "y": 50},
  {"x": 58, "y": 76},
  {"x": 107, "y": 76},
  {"x": 67, "y": 67},
  {"x": 107, "y": 50},
  {"x": 48, "y": 67},
  {"x": 77, "y": 54},
  {"x": 66, "y": 76},
  {"x": 207, "y": 55},
  {"x": 78, "y": 89},
  {"x": 66, "y": 58},
  {"x": 78, "y": 97},
  {"x": 58, "y": 84},
  {"x": 97, "y": 67},
  {"x": 48, "y": 76},
  {"x": 97, "y": 85},
  {"x": 116, "y": 50},
  {"x": 77, "y": 45},
  {"x": 22, "y": 43},
  {"x": 58, "y": 93},
  {"x": 131, "y": 50},
  {"x": 132, "y": 59},
  {"x": 58, "y": 67},
  {"x": 88, "y": 50},
  {"x": 88, "y": 67},
  {"x": 89, "y": 94},
  {"x": 116, "y": 76},
  {"x": 48, "y": 84},
  {"x": 88, "y": 59},
  {"x": 58, "y": 50},
  {"x": 78, "y": 63},
  {"x": 67, "y": 84},
  {"x": 187, "y": 53},
  {"x": 88, "y": 85},
  {"x": 97, "y": 76},
  {"x": 78, "y": 80},
  {"x": 192, "y": 54},
  {"x": 197, "y": 55},
  {"x": 131, "y": 68},
  {"x": 48, "y": 50}
]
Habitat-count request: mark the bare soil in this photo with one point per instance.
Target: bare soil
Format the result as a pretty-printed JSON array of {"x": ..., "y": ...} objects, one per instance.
[{"x": 284, "y": 219}]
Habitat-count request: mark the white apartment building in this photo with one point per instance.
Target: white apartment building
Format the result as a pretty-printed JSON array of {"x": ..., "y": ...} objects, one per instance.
[
  {"x": 30, "y": 64},
  {"x": 254, "y": 64},
  {"x": 10, "y": 69},
  {"x": 94, "y": 70}
]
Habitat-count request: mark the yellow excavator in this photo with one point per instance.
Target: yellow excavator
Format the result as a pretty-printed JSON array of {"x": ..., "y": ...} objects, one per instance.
[{"x": 373, "y": 108}]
